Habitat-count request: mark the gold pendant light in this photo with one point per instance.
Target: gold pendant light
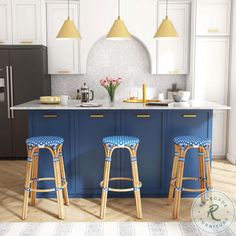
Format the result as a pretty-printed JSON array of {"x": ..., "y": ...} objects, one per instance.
[
  {"x": 119, "y": 29},
  {"x": 166, "y": 28},
  {"x": 68, "y": 29}
]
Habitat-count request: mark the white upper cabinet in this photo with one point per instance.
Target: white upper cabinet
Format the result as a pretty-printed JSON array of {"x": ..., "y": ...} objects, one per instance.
[
  {"x": 211, "y": 69},
  {"x": 63, "y": 55},
  {"x": 5, "y": 22},
  {"x": 173, "y": 54},
  {"x": 213, "y": 17},
  {"x": 26, "y": 17}
]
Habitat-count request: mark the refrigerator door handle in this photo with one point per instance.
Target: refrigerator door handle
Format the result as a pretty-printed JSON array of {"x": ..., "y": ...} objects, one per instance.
[
  {"x": 8, "y": 93},
  {"x": 12, "y": 93}
]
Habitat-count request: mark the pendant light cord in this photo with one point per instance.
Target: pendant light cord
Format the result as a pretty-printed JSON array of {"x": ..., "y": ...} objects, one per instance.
[
  {"x": 166, "y": 8},
  {"x": 118, "y": 8},
  {"x": 68, "y": 9}
]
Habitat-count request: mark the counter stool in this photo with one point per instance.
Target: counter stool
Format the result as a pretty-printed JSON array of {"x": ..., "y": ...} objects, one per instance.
[
  {"x": 182, "y": 145},
  {"x": 54, "y": 145},
  {"x": 110, "y": 144}
]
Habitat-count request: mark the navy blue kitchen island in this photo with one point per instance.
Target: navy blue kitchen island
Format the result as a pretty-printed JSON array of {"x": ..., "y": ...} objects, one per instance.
[{"x": 83, "y": 130}]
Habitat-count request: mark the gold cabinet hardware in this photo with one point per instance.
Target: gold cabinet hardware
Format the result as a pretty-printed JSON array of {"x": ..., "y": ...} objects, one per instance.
[
  {"x": 189, "y": 115},
  {"x": 143, "y": 116},
  {"x": 96, "y": 116},
  {"x": 25, "y": 42},
  {"x": 213, "y": 30},
  {"x": 1, "y": 41},
  {"x": 50, "y": 116},
  {"x": 63, "y": 71}
]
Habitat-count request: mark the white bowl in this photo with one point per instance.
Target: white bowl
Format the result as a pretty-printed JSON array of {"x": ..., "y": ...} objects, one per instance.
[{"x": 185, "y": 95}]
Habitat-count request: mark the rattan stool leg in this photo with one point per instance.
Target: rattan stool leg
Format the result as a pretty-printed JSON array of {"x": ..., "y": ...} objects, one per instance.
[
  {"x": 27, "y": 183},
  {"x": 63, "y": 175},
  {"x": 208, "y": 169},
  {"x": 201, "y": 171},
  {"x": 178, "y": 188},
  {"x": 173, "y": 175},
  {"x": 34, "y": 175},
  {"x": 137, "y": 195},
  {"x": 106, "y": 177},
  {"x": 57, "y": 174}
]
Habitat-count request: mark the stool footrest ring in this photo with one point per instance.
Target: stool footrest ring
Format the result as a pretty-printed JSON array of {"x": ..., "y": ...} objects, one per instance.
[
  {"x": 121, "y": 190},
  {"x": 45, "y": 190}
]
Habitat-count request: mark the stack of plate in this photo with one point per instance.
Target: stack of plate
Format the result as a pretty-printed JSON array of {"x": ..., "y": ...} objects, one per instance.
[{"x": 49, "y": 99}]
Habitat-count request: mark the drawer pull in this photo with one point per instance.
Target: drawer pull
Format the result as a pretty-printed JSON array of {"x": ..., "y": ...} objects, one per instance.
[
  {"x": 189, "y": 116},
  {"x": 143, "y": 116},
  {"x": 24, "y": 42},
  {"x": 63, "y": 71},
  {"x": 213, "y": 30},
  {"x": 1, "y": 41},
  {"x": 96, "y": 116},
  {"x": 50, "y": 116}
]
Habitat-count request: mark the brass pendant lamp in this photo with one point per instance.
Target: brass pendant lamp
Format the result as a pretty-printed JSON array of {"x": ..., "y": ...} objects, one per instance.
[
  {"x": 68, "y": 29},
  {"x": 118, "y": 29},
  {"x": 166, "y": 28}
]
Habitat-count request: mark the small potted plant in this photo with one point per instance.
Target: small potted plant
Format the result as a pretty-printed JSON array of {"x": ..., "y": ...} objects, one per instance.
[{"x": 111, "y": 84}]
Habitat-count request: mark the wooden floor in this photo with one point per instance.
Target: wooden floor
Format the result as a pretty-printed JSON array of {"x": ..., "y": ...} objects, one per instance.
[{"x": 11, "y": 195}]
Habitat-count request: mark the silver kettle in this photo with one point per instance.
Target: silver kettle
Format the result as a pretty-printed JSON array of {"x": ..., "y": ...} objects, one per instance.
[{"x": 84, "y": 93}]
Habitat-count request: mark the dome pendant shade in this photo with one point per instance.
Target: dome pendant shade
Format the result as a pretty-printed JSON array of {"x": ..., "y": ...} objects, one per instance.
[
  {"x": 166, "y": 29},
  {"x": 119, "y": 30},
  {"x": 68, "y": 30}
]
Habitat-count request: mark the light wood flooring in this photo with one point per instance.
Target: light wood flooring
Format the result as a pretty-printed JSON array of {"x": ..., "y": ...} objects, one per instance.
[{"x": 11, "y": 195}]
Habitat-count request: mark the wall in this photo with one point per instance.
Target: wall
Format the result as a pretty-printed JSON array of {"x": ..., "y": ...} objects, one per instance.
[
  {"x": 231, "y": 156},
  {"x": 127, "y": 59}
]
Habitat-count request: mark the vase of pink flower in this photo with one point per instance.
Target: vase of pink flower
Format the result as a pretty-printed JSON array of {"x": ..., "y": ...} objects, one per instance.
[{"x": 111, "y": 84}]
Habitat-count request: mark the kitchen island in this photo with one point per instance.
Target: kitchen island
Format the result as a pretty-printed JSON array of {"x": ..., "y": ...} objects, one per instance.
[{"x": 84, "y": 128}]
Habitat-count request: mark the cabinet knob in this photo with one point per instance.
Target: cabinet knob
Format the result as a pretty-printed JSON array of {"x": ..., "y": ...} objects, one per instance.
[
  {"x": 96, "y": 116},
  {"x": 189, "y": 115},
  {"x": 143, "y": 116},
  {"x": 50, "y": 116}
]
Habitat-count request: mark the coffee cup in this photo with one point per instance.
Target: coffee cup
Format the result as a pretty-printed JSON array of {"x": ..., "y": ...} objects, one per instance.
[{"x": 64, "y": 99}]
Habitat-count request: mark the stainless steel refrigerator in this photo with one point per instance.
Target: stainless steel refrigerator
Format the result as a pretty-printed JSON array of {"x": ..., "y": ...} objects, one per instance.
[{"x": 23, "y": 77}]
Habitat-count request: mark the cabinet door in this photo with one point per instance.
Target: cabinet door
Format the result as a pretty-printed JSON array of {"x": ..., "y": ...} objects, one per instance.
[
  {"x": 211, "y": 69},
  {"x": 219, "y": 133},
  {"x": 57, "y": 124},
  {"x": 63, "y": 55},
  {"x": 6, "y": 22},
  {"x": 182, "y": 123},
  {"x": 148, "y": 126},
  {"x": 26, "y": 16},
  {"x": 91, "y": 128},
  {"x": 173, "y": 54},
  {"x": 213, "y": 17}
]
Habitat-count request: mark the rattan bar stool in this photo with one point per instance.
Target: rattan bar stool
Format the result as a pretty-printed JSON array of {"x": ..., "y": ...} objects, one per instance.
[
  {"x": 110, "y": 144},
  {"x": 182, "y": 145},
  {"x": 54, "y": 145}
]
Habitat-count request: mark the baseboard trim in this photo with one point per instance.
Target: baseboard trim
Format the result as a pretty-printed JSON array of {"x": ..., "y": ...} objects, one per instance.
[{"x": 231, "y": 158}]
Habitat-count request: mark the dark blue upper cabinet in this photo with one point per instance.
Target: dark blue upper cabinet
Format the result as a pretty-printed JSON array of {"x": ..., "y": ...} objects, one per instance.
[
  {"x": 91, "y": 127},
  {"x": 58, "y": 123},
  {"x": 187, "y": 123},
  {"x": 149, "y": 127}
]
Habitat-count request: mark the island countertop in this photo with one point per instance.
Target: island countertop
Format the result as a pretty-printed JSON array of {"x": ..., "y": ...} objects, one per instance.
[{"x": 75, "y": 105}]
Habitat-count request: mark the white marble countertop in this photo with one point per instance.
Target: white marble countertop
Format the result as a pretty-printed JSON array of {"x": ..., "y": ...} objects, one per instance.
[{"x": 75, "y": 105}]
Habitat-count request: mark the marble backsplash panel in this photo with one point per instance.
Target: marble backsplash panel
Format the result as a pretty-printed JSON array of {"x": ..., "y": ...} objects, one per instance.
[{"x": 127, "y": 59}]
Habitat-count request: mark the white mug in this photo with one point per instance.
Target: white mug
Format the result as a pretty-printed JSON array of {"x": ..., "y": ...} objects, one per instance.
[
  {"x": 64, "y": 99},
  {"x": 161, "y": 96}
]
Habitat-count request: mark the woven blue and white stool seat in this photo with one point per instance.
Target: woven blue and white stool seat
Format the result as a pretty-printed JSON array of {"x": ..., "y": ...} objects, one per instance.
[
  {"x": 44, "y": 141},
  {"x": 193, "y": 141},
  {"x": 121, "y": 141}
]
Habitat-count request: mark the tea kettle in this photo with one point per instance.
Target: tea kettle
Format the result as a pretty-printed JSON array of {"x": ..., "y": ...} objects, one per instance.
[{"x": 84, "y": 93}]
